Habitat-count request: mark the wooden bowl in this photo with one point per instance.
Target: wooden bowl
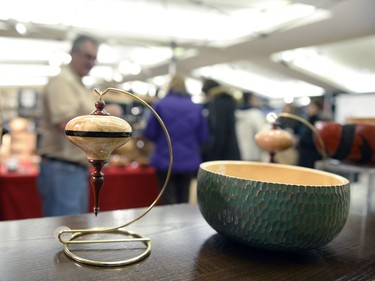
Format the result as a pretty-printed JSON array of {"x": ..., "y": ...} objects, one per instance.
[{"x": 273, "y": 206}]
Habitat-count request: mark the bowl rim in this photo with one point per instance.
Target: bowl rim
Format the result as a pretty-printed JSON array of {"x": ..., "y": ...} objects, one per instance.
[{"x": 343, "y": 181}]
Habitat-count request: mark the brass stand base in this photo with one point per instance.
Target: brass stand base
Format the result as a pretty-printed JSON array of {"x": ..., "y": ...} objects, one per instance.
[{"x": 134, "y": 238}]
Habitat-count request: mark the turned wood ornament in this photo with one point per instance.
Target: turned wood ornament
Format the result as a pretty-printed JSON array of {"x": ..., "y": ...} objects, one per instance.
[
  {"x": 274, "y": 140},
  {"x": 98, "y": 134}
]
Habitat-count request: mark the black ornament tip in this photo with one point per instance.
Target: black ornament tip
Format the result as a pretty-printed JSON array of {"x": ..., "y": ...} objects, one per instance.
[{"x": 96, "y": 211}]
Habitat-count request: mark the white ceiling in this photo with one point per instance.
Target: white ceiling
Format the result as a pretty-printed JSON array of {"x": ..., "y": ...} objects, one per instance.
[{"x": 330, "y": 48}]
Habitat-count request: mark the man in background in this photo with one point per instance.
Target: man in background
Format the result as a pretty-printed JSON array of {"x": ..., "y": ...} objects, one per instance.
[{"x": 63, "y": 176}]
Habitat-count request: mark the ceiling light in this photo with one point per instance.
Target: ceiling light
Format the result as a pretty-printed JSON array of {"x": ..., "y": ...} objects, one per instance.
[
  {"x": 28, "y": 70},
  {"x": 30, "y": 50},
  {"x": 102, "y": 72},
  {"x": 59, "y": 58},
  {"x": 160, "y": 81},
  {"x": 117, "y": 77},
  {"x": 23, "y": 81},
  {"x": 311, "y": 62},
  {"x": 129, "y": 68},
  {"x": 303, "y": 101},
  {"x": 107, "y": 54},
  {"x": 267, "y": 87},
  {"x": 288, "y": 100},
  {"x": 140, "y": 87},
  {"x": 193, "y": 86},
  {"x": 152, "y": 91},
  {"x": 150, "y": 56},
  {"x": 208, "y": 25},
  {"x": 21, "y": 28},
  {"x": 53, "y": 12}
]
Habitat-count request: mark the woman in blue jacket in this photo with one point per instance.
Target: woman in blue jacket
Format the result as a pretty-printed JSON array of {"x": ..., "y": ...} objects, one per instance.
[{"x": 188, "y": 130}]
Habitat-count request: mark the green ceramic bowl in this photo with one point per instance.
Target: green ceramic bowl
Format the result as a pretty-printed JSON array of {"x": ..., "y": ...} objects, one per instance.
[{"x": 273, "y": 206}]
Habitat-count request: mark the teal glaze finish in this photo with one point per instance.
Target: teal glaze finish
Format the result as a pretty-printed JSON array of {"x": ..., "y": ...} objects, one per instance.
[{"x": 273, "y": 216}]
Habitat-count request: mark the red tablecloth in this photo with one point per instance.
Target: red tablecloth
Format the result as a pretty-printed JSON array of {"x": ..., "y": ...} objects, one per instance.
[
  {"x": 19, "y": 198},
  {"x": 127, "y": 187},
  {"x": 123, "y": 187}
]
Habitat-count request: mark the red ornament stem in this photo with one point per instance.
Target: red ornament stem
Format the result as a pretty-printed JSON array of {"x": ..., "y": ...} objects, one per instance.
[
  {"x": 272, "y": 157},
  {"x": 96, "y": 181}
]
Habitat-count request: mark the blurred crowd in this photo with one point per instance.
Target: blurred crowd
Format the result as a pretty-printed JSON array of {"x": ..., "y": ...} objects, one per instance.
[{"x": 222, "y": 127}]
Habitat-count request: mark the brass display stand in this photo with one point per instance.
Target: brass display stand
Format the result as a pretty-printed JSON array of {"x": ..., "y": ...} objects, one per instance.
[{"x": 69, "y": 237}]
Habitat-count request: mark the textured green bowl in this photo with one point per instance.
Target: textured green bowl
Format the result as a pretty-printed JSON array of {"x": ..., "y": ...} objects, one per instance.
[{"x": 273, "y": 206}]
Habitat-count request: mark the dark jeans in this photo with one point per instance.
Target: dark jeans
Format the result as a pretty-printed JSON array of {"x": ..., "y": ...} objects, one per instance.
[
  {"x": 178, "y": 187},
  {"x": 64, "y": 188}
]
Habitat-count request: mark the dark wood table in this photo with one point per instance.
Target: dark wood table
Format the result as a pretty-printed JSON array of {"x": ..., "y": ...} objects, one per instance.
[{"x": 184, "y": 247}]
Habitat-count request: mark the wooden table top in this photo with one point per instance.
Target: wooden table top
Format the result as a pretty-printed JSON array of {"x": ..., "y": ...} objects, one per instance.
[{"x": 184, "y": 247}]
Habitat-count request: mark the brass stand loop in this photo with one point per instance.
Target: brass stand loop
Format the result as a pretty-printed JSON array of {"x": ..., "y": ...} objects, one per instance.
[
  {"x": 136, "y": 238},
  {"x": 78, "y": 233}
]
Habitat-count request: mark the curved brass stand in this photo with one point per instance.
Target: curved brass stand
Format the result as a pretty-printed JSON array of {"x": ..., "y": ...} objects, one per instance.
[{"x": 75, "y": 234}]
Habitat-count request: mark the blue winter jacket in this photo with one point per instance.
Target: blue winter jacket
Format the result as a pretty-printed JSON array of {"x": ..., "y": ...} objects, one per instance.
[{"x": 187, "y": 128}]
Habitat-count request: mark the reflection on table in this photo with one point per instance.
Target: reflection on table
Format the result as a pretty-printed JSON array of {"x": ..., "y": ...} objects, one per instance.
[
  {"x": 124, "y": 187},
  {"x": 184, "y": 247}
]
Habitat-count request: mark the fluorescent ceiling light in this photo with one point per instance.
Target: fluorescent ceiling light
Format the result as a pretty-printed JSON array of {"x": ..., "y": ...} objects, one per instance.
[
  {"x": 21, "y": 28},
  {"x": 26, "y": 74},
  {"x": 157, "y": 19},
  {"x": 270, "y": 88},
  {"x": 27, "y": 70},
  {"x": 102, "y": 72},
  {"x": 160, "y": 81},
  {"x": 30, "y": 50},
  {"x": 40, "y": 11},
  {"x": 311, "y": 62},
  {"x": 129, "y": 68},
  {"x": 108, "y": 54},
  {"x": 139, "y": 87},
  {"x": 149, "y": 56},
  {"x": 57, "y": 52},
  {"x": 15, "y": 81}
]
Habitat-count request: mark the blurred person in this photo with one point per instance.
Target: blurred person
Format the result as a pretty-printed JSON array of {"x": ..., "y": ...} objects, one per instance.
[
  {"x": 287, "y": 123},
  {"x": 63, "y": 176},
  {"x": 308, "y": 153},
  {"x": 188, "y": 129},
  {"x": 222, "y": 143},
  {"x": 249, "y": 121}
]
